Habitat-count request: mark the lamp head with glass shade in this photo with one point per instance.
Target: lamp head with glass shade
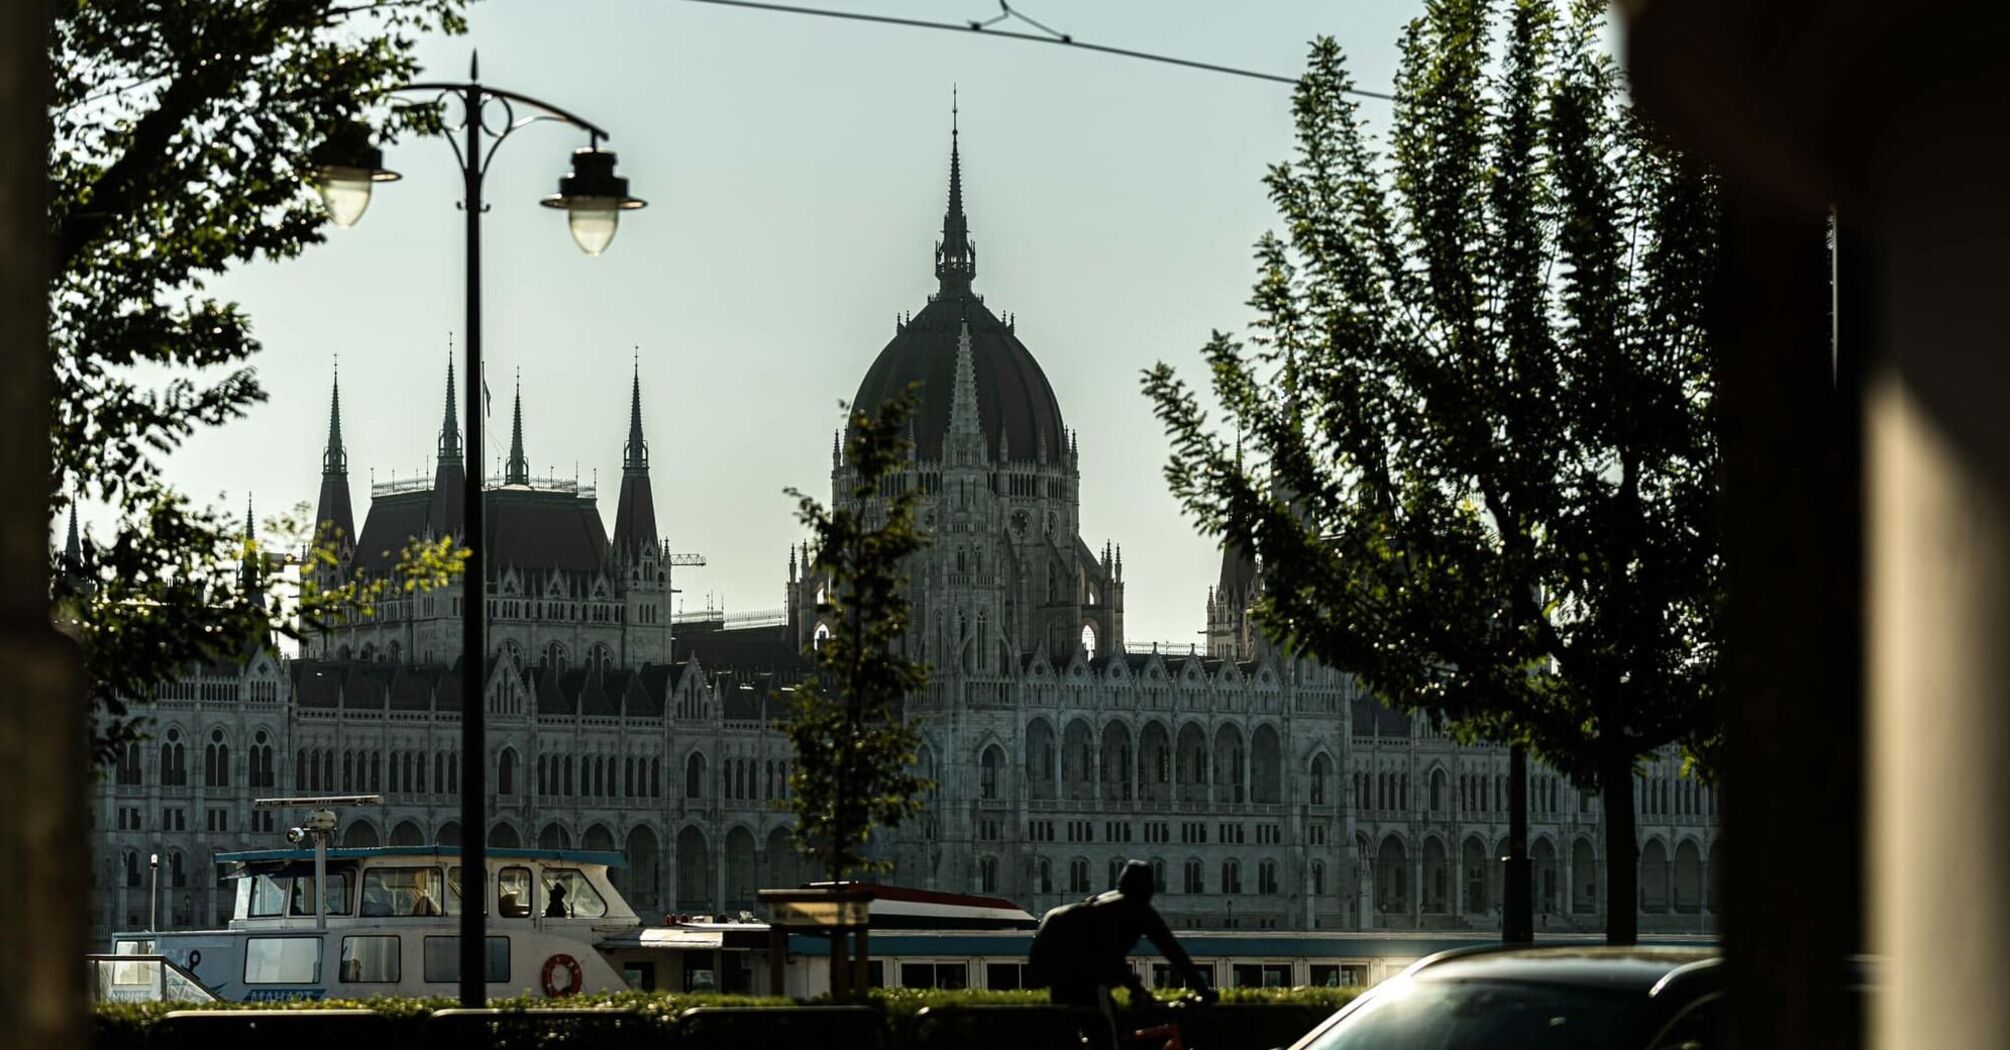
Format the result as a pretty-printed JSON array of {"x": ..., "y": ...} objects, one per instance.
[
  {"x": 593, "y": 197},
  {"x": 346, "y": 166}
]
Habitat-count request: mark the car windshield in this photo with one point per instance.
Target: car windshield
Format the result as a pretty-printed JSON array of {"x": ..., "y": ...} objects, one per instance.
[{"x": 1483, "y": 1015}]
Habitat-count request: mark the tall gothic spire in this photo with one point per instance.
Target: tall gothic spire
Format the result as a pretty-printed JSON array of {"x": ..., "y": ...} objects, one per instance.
[
  {"x": 73, "y": 547},
  {"x": 450, "y": 428},
  {"x": 517, "y": 471},
  {"x": 334, "y": 457},
  {"x": 635, "y": 455},
  {"x": 964, "y": 444},
  {"x": 955, "y": 256},
  {"x": 333, "y": 520},
  {"x": 249, "y": 570},
  {"x": 635, "y": 511}
]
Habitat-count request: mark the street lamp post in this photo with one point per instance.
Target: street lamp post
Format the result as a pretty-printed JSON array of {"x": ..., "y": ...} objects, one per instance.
[
  {"x": 153, "y": 891},
  {"x": 593, "y": 196}
]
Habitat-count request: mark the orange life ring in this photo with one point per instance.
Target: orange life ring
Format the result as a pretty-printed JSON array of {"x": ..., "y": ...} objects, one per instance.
[{"x": 576, "y": 978}]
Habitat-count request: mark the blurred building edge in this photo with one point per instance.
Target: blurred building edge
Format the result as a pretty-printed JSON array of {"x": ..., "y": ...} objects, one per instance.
[
  {"x": 1892, "y": 115},
  {"x": 41, "y": 720}
]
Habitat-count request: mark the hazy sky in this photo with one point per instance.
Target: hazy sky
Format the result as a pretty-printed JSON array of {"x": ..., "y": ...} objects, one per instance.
[{"x": 796, "y": 171}]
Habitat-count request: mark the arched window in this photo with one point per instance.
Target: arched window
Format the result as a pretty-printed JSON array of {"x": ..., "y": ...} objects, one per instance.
[
  {"x": 992, "y": 774},
  {"x": 348, "y": 771},
  {"x": 216, "y": 761},
  {"x": 1078, "y": 876},
  {"x": 1195, "y": 880},
  {"x": 1318, "y": 879},
  {"x": 1116, "y": 869},
  {"x": 1089, "y": 641},
  {"x": 1318, "y": 791},
  {"x": 129, "y": 763},
  {"x": 174, "y": 761},
  {"x": 656, "y": 777},
  {"x": 506, "y": 772},
  {"x": 1045, "y": 875},
  {"x": 822, "y": 635},
  {"x": 262, "y": 767},
  {"x": 1231, "y": 877},
  {"x": 1266, "y": 877},
  {"x": 694, "y": 777},
  {"x": 302, "y": 771},
  {"x": 987, "y": 874}
]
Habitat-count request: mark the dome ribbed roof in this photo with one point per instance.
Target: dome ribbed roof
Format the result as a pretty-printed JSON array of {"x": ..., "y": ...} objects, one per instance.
[
  {"x": 1014, "y": 401},
  {"x": 1013, "y": 397}
]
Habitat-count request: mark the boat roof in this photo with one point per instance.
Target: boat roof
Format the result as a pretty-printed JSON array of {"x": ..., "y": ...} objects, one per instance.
[{"x": 609, "y": 858}]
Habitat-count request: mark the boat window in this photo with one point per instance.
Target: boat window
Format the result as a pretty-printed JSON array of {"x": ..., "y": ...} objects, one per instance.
[
  {"x": 282, "y": 960},
  {"x": 453, "y": 899},
  {"x": 336, "y": 894},
  {"x": 401, "y": 892},
  {"x": 443, "y": 960},
  {"x": 369, "y": 960},
  {"x": 268, "y": 894},
  {"x": 571, "y": 896},
  {"x": 1262, "y": 975},
  {"x": 513, "y": 900}
]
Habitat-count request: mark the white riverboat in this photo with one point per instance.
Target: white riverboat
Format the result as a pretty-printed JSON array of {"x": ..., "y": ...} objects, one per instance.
[{"x": 388, "y": 923}]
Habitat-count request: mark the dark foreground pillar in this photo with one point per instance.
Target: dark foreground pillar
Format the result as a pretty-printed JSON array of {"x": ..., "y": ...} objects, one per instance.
[{"x": 43, "y": 861}]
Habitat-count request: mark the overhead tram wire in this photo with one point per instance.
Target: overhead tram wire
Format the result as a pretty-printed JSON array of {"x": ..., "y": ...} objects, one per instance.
[{"x": 1061, "y": 39}]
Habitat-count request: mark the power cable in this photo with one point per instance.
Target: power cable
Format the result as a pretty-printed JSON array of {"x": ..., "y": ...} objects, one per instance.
[{"x": 1051, "y": 37}]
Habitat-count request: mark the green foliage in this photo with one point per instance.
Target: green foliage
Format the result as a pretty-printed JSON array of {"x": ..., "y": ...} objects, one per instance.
[
  {"x": 1479, "y": 393},
  {"x": 855, "y": 749},
  {"x": 665, "y": 1006},
  {"x": 180, "y": 141}
]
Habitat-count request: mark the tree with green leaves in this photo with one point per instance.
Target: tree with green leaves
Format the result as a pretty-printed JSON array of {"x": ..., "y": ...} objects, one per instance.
[
  {"x": 855, "y": 748},
  {"x": 181, "y": 141},
  {"x": 1479, "y": 391}
]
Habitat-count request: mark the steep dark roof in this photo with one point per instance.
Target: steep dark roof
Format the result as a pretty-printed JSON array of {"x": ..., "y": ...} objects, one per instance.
[
  {"x": 1372, "y": 719},
  {"x": 527, "y": 528},
  {"x": 750, "y": 649},
  {"x": 536, "y": 528},
  {"x": 393, "y": 521},
  {"x": 317, "y": 684}
]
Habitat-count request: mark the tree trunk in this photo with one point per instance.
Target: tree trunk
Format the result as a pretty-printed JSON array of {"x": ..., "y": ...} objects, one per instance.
[{"x": 1622, "y": 850}]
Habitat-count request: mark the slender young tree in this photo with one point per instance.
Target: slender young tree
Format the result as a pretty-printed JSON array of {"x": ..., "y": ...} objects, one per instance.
[
  {"x": 182, "y": 134},
  {"x": 855, "y": 749},
  {"x": 1480, "y": 396}
]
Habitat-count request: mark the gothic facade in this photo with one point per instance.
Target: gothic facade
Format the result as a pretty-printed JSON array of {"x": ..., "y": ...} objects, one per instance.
[{"x": 1266, "y": 792}]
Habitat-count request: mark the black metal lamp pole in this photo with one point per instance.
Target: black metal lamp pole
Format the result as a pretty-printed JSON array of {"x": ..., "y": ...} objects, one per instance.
[{"x": 593, "y": 196}]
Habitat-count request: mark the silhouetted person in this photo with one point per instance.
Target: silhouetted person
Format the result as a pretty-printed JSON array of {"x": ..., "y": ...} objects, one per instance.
[
  {"x": 556, "y": 909},
  {"x": 1081, "y": 950}
]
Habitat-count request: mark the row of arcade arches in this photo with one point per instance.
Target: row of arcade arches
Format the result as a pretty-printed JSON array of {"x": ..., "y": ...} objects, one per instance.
[
  {"x": 1424, "y": 881},
  {"x": 1155, "y": 764}
]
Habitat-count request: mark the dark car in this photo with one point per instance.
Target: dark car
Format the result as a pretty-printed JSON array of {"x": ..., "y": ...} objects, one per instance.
[{"x": 1539, "y": 999}]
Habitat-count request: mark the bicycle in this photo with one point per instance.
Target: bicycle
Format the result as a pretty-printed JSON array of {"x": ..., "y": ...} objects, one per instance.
[{"x": 1166, "y": 1035}]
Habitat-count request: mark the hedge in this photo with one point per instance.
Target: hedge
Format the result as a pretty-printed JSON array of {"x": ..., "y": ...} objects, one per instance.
[{"x": 650, "y": 1018}]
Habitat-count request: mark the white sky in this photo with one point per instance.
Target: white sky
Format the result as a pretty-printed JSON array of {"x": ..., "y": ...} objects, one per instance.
[{"x": 796, "y": 170}]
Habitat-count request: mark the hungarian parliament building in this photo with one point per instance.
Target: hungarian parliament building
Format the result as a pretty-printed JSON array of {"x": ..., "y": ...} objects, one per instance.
[{"x": 1266, "y": 792}]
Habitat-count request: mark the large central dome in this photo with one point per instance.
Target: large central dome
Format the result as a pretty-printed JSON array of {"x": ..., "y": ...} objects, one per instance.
[{"x": 1015, "y": 406}]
